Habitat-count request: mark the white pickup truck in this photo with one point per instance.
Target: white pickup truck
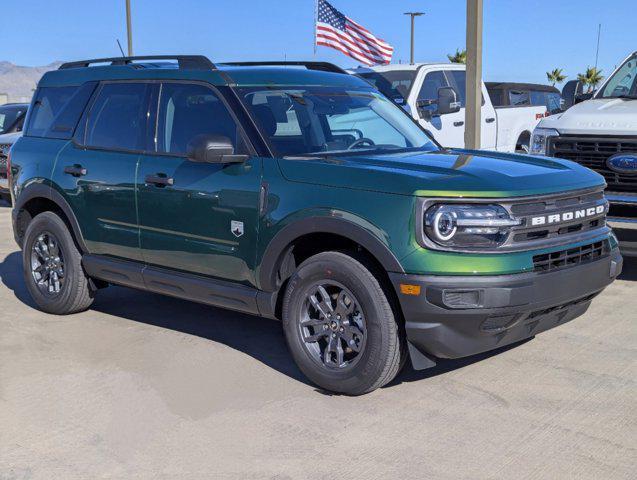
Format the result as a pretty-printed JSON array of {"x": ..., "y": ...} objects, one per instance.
[
  {"x": 601, "y": 133},
  {"x": 434, "y": 95}
]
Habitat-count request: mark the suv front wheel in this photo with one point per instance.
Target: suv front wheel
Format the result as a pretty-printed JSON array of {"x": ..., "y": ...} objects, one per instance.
[
  {"x": 52, "y": 267},
  {"x": 340, "y": 326}
]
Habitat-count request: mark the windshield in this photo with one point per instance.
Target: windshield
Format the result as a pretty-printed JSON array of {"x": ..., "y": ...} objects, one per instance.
[
  {"x": 8, "y": 117},
  {"x": 305, "y": 120},
  {"x": 394, "y": 84},
  {"x": 623, "y": 84}
]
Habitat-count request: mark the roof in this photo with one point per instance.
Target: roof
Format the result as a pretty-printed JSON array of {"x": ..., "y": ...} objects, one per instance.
[
  {"x": 190, "y": 67},
  {"x": 522, "y": 86}
]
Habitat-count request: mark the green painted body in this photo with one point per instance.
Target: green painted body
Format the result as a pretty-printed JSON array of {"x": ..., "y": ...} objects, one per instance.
[{"x": 186, "y": 226}]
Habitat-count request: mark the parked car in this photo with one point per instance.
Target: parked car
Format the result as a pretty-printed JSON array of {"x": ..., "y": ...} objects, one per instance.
[
  {"x": 6, "y": 141},
  {"x": 12, "y": 117},
  {"x": 508, "y": 94},
  {"x": 601, "y": 133},
  {"x": 434, "y": 95},
  {"x": 246, "y": 187}
]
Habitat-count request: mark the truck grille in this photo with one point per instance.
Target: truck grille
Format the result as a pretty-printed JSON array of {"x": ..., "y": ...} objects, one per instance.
[
  {"x": 593, "y": 153},
  {"x": 548, "y": 262}
]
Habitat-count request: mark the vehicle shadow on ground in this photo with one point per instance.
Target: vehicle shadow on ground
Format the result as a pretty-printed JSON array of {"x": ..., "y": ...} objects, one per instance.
[{"x": 260, "y": 338}]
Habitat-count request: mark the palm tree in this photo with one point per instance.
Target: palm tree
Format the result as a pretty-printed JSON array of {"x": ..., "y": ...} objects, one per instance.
[
  {"x": 555, "y": 76},
  {"x": 591, "y": 78},
  {"x": 459, "y": 57}
]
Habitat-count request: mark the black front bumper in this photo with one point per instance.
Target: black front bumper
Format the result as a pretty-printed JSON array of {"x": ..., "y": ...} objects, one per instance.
[{"x": 455, "y": 317}]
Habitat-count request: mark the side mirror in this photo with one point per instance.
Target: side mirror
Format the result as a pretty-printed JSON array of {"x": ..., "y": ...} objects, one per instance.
[
  {"x": 207, "y": 148},
  {"x": 571, "y": 93},
  {"x": 447, "y": 101}
]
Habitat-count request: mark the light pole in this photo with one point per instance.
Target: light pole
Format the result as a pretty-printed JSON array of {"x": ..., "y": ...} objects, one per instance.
[
  {"x": 413, "y": 15},
  {"x": 129, "y": 29}
]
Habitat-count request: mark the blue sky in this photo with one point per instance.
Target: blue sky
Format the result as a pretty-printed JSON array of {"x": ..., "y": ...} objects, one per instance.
[{"x": 522, "y": 39}]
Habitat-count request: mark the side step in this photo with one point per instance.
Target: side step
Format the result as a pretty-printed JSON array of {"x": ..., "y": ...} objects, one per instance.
[{"x": 197, "y": 288}]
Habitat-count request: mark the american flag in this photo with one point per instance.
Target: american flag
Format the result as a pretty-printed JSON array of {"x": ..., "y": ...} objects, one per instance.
[{"x": 335, "y": 30}]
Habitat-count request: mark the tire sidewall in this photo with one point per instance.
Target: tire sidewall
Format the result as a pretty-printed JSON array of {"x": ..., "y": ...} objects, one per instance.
[
  {"x": 50, "y": 222},
  {"x": 374, "y": 356}
]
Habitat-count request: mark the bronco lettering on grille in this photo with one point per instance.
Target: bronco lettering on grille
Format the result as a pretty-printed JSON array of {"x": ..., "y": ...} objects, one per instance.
[{"x": 568, "y": 216}]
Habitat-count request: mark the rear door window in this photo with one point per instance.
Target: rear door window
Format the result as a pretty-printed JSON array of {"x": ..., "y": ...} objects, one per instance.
[{"x": 119, "y": 116}]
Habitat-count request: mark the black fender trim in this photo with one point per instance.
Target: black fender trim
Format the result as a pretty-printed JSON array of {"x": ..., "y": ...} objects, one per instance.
[
  {"x": 40, "y": 190},
  {"x": 276, "y": 249}
]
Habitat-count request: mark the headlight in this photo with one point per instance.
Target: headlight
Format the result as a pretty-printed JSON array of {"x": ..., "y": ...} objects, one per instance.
[
  {"x": 540, "y": 140},
  {"x": 468, "y": 226}
]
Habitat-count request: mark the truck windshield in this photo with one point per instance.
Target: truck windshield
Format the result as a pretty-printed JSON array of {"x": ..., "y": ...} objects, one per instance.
[
  {"x": 306, "y": 120},
  {"x": 623, "y": 84},
  {"x": 394, "y": 84}
]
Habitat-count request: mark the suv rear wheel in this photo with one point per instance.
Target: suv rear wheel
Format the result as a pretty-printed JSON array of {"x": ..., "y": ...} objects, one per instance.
[
  {"x": 340, "y": 326},
  {"x": 52, "y": 267}
]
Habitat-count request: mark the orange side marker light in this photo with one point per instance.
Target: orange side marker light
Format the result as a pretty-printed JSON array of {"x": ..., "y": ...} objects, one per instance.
[{"x": 407, "y": 289}]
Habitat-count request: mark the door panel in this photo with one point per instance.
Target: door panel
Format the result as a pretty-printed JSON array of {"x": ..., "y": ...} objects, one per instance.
[
  {"x": 203, "y": 218},
  {"x": 103, "y": 199},
  {"x": 187, "y": 225}
]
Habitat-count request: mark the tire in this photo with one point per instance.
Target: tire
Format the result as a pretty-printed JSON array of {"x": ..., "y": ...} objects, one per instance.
[
  {"x": 73, "y": 289},
  {"x": 382, "y": 343}
]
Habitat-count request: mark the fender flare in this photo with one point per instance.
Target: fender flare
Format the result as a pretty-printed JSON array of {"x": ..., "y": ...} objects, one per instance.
[
  {"x": 275, "y": 252},
  {"x": 40, "y": 190}
]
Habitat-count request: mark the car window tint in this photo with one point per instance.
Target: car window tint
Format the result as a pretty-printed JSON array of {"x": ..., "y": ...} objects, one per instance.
[
  {"x": 433, "y": 81},
  {"x": 458, "y": 80},
  {"x": 48, "y": 103},
  {"x": 518, "y": 97},
  {"x": 118, "y": 117},
  {"x": 189, "y": 110}
]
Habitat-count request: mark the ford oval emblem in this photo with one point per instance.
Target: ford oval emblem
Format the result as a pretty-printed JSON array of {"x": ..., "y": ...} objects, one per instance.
[{"x": 623, "y": 163}]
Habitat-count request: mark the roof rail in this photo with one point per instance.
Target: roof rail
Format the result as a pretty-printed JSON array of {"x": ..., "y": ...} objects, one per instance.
[
  {"x": 321, "y": 66},
  {"x": 189, "y": 62}
]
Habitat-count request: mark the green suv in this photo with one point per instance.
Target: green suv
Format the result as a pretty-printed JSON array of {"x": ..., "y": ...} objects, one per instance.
[{"x": 296, "y": 191}]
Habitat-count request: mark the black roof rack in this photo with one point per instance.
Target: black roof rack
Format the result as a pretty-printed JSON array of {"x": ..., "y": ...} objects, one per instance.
[
  {"x": 190, "y": 62},
  {"x": 322, "y": 66}
]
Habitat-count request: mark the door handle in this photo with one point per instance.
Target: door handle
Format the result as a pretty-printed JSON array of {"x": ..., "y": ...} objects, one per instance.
[
  {"x": 75, "y": 170},
  {"x": 458, "y": 124},
  {"x": 490, "y": 120},
  {"x": 159, "y": 180}
]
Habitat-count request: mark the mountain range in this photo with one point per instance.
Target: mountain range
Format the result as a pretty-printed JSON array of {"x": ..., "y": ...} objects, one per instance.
[{"x": 18, "y": 82}]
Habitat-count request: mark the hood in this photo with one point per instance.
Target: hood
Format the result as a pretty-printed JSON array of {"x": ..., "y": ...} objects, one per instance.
[
  {"x": 444, "y": 173},
  {"x": 609, "y": 116},
  {"x": 9, "y": 138}
]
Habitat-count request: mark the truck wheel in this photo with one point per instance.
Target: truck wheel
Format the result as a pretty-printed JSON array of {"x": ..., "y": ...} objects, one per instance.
[
  {"x": 52, "y": 267},
  {"x": 340, "y": 326}
]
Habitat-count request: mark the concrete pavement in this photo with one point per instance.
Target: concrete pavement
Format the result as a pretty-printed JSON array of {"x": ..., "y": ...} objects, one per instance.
[{"x": 143, "y": 386}]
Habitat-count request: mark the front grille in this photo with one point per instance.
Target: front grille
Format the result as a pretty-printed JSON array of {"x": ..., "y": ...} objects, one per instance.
[
  {"x": 548, "y": 262},
  {"x": 555, "y": 205},
  {"x": 4, "y": 150},
  {"x": 593, "y": 153}
]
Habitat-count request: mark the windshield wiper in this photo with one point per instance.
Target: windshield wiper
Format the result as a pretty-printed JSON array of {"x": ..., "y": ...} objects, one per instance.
[{"x": 625, "y": 97}]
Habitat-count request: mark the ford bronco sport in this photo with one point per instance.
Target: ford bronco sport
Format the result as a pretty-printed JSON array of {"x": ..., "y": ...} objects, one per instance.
[{"x": 299, "y": 192}]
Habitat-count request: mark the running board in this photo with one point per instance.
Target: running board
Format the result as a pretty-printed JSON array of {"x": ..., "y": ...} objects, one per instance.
[{"x": 196, "y": 288}]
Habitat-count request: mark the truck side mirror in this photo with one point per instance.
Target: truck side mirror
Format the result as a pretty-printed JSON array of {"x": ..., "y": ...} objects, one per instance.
[
  {"x": 571, "y": 93},
  {"x": 447, "y": 101},
  {"x": 208, "y": 148}
]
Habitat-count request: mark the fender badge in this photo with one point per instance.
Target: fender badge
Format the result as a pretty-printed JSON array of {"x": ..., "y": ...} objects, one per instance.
[{"x": 236, "y": 227}]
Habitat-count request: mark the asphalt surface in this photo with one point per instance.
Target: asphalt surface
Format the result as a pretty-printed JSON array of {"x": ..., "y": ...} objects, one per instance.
[{"x": 143, "y": 386}]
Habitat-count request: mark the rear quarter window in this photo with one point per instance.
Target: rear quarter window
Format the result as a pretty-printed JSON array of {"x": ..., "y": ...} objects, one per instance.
[{"x": 57, "y": 110}]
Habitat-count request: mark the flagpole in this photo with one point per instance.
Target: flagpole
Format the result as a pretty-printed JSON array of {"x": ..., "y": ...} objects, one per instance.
[{"x": 315, "y": 21}]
